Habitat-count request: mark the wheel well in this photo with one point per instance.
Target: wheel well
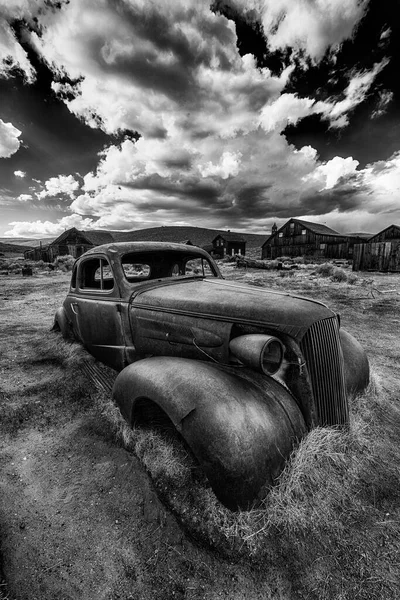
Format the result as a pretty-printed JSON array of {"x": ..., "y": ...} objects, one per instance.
[
  {"x": 149, "y": 415},
  {"x": 56, "y": 326}
]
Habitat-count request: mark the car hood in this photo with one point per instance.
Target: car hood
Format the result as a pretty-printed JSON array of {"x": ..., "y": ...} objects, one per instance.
[{"x": 231, "y": 301}]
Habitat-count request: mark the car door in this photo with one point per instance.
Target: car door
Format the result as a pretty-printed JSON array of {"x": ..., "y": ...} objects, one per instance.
[{"x": 97, "y": 309}]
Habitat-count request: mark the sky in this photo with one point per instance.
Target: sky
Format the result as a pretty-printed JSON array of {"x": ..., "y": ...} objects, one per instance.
[{"x": 230, "y": 114}]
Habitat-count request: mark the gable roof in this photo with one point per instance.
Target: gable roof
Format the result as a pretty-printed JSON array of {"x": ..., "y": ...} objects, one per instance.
[
  {"x": 316, "y": 227},
  {"x": 93, "y": 237},
  {"x": 371, "y": 239},
  {"x": 230, "y": 237},
  {"x": 97, "y": 238}
]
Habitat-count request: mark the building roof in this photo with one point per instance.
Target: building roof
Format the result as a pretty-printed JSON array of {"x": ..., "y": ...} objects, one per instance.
[
  {"x": 316, "y": 227},
  {"x": 230, "y": 237},
  {"x": 375, "y": 235},
  {"x": 97, "y": 237},
  {"x": 94, "y": 237}
]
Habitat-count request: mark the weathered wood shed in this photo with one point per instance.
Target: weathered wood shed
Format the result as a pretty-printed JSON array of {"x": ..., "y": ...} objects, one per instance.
[
  {"x": 298, "y": 238},
  {"x": 229, "y": 244},
  {"x": 380, "y": 253}
]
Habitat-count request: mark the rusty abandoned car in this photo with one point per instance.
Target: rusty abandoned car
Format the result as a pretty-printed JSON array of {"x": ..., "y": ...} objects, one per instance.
[{"x": 241, "y": 372}]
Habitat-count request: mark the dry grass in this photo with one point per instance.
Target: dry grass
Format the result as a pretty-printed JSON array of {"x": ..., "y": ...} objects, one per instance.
[{"x": 337, "y": 498}]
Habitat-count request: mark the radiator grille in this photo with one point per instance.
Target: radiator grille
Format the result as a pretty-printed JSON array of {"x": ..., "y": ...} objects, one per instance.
[{"x": 323, "y": 354}]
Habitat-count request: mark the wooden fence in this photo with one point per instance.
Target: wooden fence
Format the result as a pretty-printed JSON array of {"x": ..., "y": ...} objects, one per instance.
[{"x": 377, "y": 256}]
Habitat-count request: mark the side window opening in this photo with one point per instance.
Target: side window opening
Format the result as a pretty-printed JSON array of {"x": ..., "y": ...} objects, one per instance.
[
  {"x": 198, "y": 267},
  {"x": 73, "y": 278},
  {"x": 96, "y": 274},
  {"x": 136, "y": 271}
]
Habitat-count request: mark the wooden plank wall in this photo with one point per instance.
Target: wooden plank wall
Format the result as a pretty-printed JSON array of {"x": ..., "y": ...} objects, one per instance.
[{"x": 377, "y": 256}]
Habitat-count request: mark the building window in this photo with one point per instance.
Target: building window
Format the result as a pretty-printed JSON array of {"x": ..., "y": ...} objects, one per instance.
[
  {"x": 322, "y": 246},
  {"x": 281, "y": 234},
  {"x": 291, "y": 225},
  {"x": 303, "y": 232}
]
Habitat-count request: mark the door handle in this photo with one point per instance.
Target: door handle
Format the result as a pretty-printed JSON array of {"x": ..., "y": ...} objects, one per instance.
[{"x": 75, "y": 311}]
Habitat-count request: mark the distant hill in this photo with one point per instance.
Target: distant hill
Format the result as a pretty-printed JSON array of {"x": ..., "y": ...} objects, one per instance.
[
  {"x": 199, "y": 236},
  {"x": 13, "y": 248},
  {"x": 32, "y": 243}
]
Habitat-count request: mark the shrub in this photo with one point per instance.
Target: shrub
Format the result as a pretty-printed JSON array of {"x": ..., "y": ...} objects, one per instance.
[
  {"x": 286, "y": 273},
  {"x": 64, "y": 263},
  {"x": 338, "y": 275},
  {"x": 325, "y": 270}
]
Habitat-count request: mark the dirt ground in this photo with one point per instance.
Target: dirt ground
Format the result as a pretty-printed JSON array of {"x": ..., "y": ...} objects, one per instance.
[{"x": 79, "y": 517}]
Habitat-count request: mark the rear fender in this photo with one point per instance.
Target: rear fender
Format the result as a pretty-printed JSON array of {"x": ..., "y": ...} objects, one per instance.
[
  {"x": 61, "y": 323},
  {"x": 240, "y": 433}
]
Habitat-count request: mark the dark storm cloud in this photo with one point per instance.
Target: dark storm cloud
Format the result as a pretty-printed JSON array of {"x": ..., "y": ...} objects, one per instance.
[
  {"x": 343, "y": 199},
  {"x": 191, "y": 188}
]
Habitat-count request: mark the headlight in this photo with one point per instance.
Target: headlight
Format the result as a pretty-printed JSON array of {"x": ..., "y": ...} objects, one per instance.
[{"x": 259, "y": 351}]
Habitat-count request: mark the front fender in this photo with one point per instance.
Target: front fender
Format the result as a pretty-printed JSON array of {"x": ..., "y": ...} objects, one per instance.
[
  {"x": 356, "y": 365},
  {"x": 240, "y": 432}
]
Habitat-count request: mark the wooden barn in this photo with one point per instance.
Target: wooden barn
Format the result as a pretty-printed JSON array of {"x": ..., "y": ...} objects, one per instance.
[
  {"x": 303, "y": 238},
  {"x": 380, "y": 253},
  {"x": 228, "y": 244},
  {"x": 75, "y": 242}
]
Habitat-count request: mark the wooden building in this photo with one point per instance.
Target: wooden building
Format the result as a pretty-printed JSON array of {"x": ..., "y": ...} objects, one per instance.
[
  {"x": 228, "y": 244},
  {"x": 380, "y": 253},
  {"x": 304, "y": 238},
  {"x": 39, "y": 253},
  {"x": 75, "y": 242}
]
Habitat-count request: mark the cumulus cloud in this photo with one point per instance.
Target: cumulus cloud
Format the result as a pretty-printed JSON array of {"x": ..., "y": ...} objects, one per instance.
[
  {"x": 156, "y": 68},
  {"x": 47, "y": 228},
  {"x": 20, "y": 174},
  {"x": 9, "y": 142},
  {"x": 329, "y": 173},
  {"x": 62, "y": 185},
  {"x": 210, "y": 120},
  {"x": 24, "y": 197}
]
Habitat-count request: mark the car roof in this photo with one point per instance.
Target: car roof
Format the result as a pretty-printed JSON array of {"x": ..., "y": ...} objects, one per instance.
[{"x": 122, "y": 248}]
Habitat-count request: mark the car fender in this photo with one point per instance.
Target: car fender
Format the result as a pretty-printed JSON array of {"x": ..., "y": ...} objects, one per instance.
[
  {"x": 62, "y": 323},
  {"x": 356, "y": 365},
  {"x": 240, "y": 432}
]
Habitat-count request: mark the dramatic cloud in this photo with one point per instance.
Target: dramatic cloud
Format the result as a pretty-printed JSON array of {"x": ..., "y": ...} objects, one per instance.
[
  {"x": 212, "y": 149},
  {"x": 307, "y": 27},
  {"x": 61, "y": 185},
  {"x": 9, "y": 142},
  {"x": 12, "y": 55},
  {"x": 329, "y": 173}
]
